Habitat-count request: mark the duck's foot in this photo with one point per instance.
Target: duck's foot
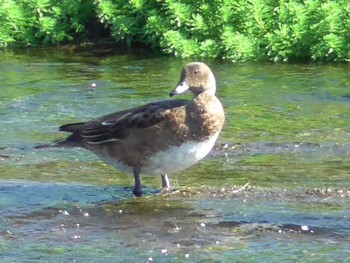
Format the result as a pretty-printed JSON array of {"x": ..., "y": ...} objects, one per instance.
[
  {"x": 165, "y": 181},
  {"x": 137, "y": 193},
  {"x": 138, "y": 187},
  {"x": 168, "y": 191}
]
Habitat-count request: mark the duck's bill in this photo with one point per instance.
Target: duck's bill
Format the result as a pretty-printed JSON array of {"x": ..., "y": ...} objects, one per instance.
[{"x": 181, "y": 88}]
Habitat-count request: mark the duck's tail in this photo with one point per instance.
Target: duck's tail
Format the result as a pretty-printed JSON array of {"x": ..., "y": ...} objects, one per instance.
[{"x": 73, "y": 140}]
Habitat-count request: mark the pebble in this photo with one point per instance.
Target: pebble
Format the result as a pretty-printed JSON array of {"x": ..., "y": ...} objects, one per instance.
[
  {"x": 64, "y": 212},
  {"x": 93, "y": 86},
  {"x": 305, "y": 228}
]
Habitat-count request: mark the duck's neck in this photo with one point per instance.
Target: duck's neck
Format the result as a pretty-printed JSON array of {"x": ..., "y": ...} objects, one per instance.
[{"x": 210, "y": 92}]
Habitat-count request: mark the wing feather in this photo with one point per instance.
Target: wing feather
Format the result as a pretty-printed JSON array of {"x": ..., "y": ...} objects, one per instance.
[{"x": 113, "y": 127}]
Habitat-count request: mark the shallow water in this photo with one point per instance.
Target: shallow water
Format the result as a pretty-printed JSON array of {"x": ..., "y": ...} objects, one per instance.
[{"x": 287, "y": 135}]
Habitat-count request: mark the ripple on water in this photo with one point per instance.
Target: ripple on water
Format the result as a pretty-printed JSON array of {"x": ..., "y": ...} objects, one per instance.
[
  {"x": 287, "y": 131},
  {"x": 72, "y": 220}
]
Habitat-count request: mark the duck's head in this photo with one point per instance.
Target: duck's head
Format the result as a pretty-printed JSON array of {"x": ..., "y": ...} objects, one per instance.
[{"x": 197, "y": 78}]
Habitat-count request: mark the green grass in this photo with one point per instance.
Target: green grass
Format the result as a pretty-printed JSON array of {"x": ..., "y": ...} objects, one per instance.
[{"x": 237, "y": 30}]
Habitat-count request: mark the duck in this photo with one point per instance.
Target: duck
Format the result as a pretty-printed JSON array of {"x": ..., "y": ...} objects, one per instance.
[{"x": 159, "y": 138}]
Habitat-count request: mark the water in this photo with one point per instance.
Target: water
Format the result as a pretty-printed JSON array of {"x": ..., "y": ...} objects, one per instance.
[{"x": 275, "y": 189}]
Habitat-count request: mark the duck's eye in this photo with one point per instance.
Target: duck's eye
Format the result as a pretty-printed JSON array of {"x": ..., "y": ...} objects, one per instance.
[{"x": 196, "y": 71}]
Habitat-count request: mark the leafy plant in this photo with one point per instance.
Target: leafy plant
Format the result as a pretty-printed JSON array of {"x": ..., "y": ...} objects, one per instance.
[
  {"x": 31, "y": 22},
  {"x": 238, "y": 30}
]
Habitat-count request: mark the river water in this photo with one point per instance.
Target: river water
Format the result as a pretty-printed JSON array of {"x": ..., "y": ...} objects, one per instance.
[{"x": 276, "y": 188}]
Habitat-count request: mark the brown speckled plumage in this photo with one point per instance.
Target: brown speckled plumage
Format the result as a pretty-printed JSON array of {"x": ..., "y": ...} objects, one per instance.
[{"x": 133, "y": 136}]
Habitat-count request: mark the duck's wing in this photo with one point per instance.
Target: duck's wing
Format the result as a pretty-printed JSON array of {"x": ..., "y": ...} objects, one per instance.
[{"x": 113, "y": 127}]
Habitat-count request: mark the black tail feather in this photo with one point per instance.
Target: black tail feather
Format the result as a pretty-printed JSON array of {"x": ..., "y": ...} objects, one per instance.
[
  {"x": 74, "y": 140},
  {"x": 72, "y": 127}
]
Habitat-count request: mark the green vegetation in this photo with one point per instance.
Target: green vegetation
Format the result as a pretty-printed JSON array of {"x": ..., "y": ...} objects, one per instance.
[
  {"x": 36, "y": 22},
  {"x": 237, "y": 30}
]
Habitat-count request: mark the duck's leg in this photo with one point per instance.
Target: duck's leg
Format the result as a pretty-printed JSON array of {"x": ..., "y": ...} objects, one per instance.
[
  {"x": 138, "y": 187},
  {"x": 165, "y": 181}
]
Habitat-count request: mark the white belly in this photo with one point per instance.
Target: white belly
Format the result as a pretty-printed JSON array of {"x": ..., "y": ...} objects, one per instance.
[
  {"x": 170, "y": 161},
  {"x": 179, "y": 158}
]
